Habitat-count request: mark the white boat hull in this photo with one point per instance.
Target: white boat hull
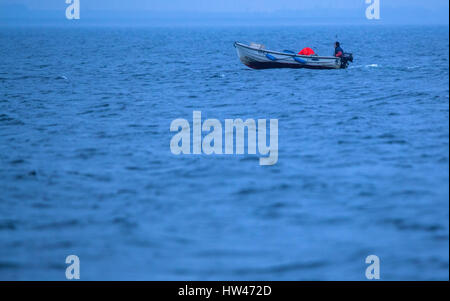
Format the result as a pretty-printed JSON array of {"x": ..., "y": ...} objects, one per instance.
[{"x": 258, "y": 58}]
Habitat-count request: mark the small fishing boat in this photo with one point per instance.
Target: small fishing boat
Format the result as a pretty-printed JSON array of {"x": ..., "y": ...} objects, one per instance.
[{"x": 257, "y": 57}]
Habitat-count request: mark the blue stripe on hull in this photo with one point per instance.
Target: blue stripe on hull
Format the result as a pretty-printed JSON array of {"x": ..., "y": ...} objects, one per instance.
[{"x": 275, "y": 65}]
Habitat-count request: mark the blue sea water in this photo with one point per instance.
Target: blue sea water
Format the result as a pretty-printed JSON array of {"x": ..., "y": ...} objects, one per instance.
[{"x": 86, "y": 167}]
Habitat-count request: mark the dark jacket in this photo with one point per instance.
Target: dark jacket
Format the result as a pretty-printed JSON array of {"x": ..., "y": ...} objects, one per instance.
[{"x": 338, "y": 51}]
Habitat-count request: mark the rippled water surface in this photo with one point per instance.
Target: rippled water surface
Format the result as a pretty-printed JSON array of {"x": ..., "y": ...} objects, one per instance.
[{"x": 86, "y": 167}]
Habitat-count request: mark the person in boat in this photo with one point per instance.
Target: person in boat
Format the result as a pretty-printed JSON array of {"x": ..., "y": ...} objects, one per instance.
[{"x": 338, "y": 51}]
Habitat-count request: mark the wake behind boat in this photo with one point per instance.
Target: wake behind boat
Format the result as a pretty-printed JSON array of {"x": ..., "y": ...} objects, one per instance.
[{"x": 257, "y": 57}]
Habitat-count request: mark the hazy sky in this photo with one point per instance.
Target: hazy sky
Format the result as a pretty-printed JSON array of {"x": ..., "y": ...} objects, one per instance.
[
  {"x": 403, "y": 11},
  {"x": 229, "y": 5}
]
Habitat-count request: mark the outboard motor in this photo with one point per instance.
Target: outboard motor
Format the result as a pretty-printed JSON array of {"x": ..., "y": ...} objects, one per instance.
[{"x": 345, "y": 59}]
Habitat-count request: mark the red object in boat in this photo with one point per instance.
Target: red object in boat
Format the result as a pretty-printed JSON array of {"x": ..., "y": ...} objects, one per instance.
[{"x": 307, "y": 51}]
